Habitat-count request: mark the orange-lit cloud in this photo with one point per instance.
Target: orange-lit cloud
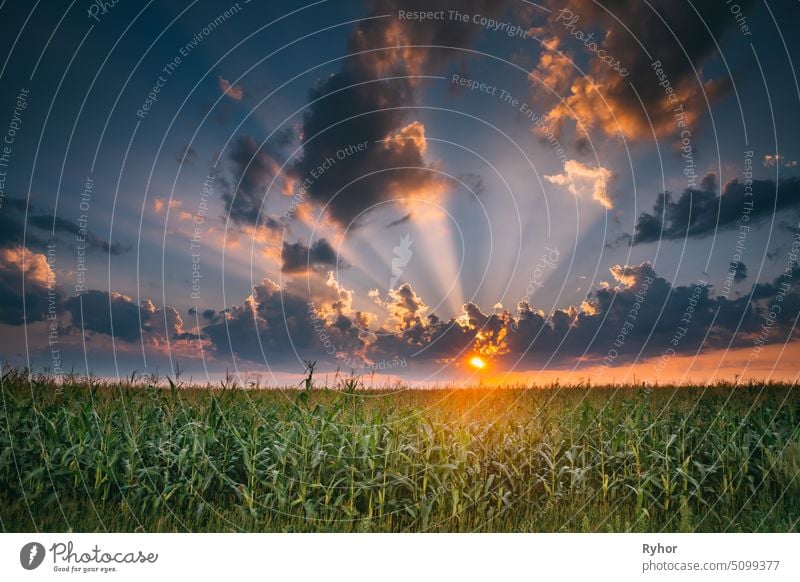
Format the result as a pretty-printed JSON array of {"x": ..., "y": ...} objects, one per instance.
[
  {"x": 33, "y": 266},
  {"x": 159, "y": 204},
  {"x": 584, "y": 181},
  {"x": 412, "y": 135},
  {"x": 235, "y": 92},
  {"x": 553, "y": 72},
  {"x": 600, "y": 96},
  {"x": 385, "y": 55}
]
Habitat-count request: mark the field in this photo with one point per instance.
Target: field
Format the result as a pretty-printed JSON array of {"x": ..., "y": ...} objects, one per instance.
[{"x": 92, "y": 456}]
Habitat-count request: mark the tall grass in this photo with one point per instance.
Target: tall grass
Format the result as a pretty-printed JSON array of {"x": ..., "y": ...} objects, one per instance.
[{"x": 88, "y": 456}]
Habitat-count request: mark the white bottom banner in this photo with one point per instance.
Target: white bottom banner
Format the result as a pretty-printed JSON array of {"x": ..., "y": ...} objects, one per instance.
[{"x": 400, "y": 557}]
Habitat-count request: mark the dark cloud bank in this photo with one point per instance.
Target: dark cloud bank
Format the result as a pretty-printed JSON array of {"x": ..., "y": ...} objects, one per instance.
[
  {"x": 369, "y": 101},
  {"x": 284, "y": 324},
  {"x": 703, "y": 211}
]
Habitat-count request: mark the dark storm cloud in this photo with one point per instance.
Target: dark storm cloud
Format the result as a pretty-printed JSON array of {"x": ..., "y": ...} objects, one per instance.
[
  {"x": 403, "y": 161},
  {"x": 377, "y": 111},
  {"x": 298, "y": 257},
  {"x": 253, "y": 167},
  {"x": 623, "y": 239},
  {"x": 282, "y": 322},
  {"x": 109, "y": 314},
  {"x": 117, "y": 315},
  {"x": 702, "y": 212}
]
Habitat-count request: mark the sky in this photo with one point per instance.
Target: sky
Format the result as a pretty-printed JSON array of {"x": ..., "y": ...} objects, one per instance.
[{"x": 419, "y": 192}]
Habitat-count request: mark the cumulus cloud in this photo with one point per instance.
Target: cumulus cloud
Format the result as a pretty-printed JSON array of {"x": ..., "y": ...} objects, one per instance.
[
  {"x": 253, "y": 168},
  {"x": 391, "y": 166},
  {"x": 27, "y": 286},
  {"x": 297, "y": 257},
  {"x": 29, "y": 292},
  {"x": 406, "y": 307},
  {"x": 118, "y": 315},
  {"x": 163, "y": 322},
  {"x": 290, "y": 324},
  {"x": 588, "y": 332},
  {"x": 584, "y": 181},
  {"x": 235, "y": 92},
  {"x": 554, "y": 70},
  {"x": 350, "y": 108},
  {"x": 107, "y": 313},
  {"x": 701, "y": 212}
]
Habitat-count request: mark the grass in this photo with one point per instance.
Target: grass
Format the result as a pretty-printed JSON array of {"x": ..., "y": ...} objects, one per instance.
[{"x": 91, "y": 456}]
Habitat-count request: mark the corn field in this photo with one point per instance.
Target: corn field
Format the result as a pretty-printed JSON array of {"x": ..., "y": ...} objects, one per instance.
[{"x": 83, "y": 455}]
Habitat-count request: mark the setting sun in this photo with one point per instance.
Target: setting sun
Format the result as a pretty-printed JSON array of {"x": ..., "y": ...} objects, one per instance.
[{"x": 477, "y": 363}]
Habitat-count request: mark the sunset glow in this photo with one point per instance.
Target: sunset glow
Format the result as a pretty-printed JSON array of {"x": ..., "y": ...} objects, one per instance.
[{"x": 477, "y": 363}]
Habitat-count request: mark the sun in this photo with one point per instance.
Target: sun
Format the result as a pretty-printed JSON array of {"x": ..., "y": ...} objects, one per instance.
[{"x": 477, "y": 363}]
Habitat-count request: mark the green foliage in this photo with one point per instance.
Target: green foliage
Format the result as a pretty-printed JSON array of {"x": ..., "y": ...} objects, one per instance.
[{"x": 88, "y": 456}]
